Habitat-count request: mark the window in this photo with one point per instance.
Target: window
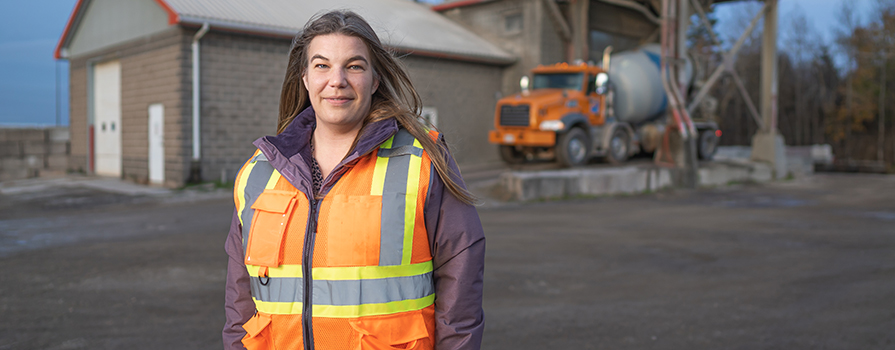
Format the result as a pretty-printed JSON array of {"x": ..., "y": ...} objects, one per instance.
[
  {"x": 512, "y": 23},
  {"x": 566, "y": 81}
]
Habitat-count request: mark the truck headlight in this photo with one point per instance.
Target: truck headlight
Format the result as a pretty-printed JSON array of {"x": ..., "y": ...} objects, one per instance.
[{"x": 552, "y": 125}]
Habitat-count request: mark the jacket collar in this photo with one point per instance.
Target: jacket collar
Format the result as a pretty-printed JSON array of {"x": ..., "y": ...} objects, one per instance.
[{"x": 290, "y": 151}]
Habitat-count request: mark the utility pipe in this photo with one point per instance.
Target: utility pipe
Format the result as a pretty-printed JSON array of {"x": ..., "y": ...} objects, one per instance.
[{"x": 195, "y": 46}]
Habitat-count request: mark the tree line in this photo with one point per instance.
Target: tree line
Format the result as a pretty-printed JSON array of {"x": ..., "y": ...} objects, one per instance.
[{"x": 833, "y": 93}]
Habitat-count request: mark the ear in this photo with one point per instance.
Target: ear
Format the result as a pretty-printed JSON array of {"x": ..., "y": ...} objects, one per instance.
[
  {"x": 304, "y": 78},
  {"x": 375, "y": 83}
]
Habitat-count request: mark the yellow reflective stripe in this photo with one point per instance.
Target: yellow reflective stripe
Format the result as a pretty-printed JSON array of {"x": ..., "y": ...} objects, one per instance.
[
  {"x": 346, "y": 273},
  {"x": 274, "y": 177},
  {"x": 241, "y": 187},
  {"x": 413, "y": 182},
  {"x": 277, "y": 308},
  {"x": 279, "y": 271},
  {"x": 346, "y": 311},
  {"x": 379, "y": 170}
]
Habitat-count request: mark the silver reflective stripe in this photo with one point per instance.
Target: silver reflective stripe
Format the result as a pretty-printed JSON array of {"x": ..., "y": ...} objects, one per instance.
[
  {"x": 394, "y": 191},
  {"x": 345, "y": 292},
  {"x": 277, "y": 289},
  {"x": 400, "y": 151},
  {"x": 258, "y": 178}
]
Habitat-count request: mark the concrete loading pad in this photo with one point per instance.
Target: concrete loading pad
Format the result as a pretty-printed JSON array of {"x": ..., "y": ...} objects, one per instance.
[
  {"x": 731, "y": 166},
  {"x": 551, "y": 184}
]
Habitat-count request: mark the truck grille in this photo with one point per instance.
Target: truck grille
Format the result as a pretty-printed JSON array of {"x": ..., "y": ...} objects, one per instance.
[{"x": 514, "y": 115}]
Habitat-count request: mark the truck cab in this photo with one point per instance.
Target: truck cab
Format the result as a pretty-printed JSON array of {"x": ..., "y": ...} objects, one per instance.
[{"x": 553, "y": 116}]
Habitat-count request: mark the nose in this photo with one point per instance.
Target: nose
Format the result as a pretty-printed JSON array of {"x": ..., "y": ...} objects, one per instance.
[{"x": 337, "y": 78}]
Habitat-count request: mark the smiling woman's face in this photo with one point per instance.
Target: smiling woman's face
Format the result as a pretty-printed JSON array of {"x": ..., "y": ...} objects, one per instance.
[{"x": 340, "y": 81}]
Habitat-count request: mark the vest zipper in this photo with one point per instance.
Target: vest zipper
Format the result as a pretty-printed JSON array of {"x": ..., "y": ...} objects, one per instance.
[{"x": 306, "y": 267}]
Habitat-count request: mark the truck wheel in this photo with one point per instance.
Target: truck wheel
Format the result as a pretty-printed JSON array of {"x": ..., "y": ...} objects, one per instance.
[
  {"x": 510, "y": 155},
  {"x": 708, "y": 144},
  {"x": 573, "y": 148},
  {"x": 618, "y": 147}
]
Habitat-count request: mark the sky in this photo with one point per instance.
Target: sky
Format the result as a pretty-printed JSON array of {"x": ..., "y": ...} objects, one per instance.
[{"x": 30, "y": 30}]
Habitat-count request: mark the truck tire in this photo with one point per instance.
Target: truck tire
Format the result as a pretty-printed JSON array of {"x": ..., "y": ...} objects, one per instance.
[
  {"x": 619, "y": 145},
  {"x": 510, "y": 155},
  {"x": 707, "y": 144},
  {"x": 573, "y": 148}
]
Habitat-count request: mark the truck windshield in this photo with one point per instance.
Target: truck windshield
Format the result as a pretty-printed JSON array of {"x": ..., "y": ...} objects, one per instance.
[{"x": 568, "y": 81}]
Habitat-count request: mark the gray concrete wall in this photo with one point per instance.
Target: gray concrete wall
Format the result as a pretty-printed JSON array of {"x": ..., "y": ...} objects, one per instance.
[
  {"x": 154, "y": 69},
  {"x": 488, "y": 20},
  {"x": 241, "y": 81},
  {"x": 32, "y": 152},
  {"x": 464, "y": 94}
]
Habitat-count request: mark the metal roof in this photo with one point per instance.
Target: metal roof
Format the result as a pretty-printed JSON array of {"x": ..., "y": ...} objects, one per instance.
[{"x": 403, "y": 25}]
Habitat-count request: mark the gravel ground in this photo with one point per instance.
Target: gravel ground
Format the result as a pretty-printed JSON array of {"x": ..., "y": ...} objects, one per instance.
[{"x": 805, "y": 264}]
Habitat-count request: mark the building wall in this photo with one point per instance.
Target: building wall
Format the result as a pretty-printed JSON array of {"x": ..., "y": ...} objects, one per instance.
[
  {"x": 152, "y": 71},
  {"x": 489, "y": 20},
  {"x": 241, "y": 81},
  {"x": 77, "y": 124},
  {"x": 464, "y": 95}
]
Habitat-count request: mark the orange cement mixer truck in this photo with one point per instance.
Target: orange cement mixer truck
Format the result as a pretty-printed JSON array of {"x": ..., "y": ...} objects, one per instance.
[{"x": 573, "y": 112}]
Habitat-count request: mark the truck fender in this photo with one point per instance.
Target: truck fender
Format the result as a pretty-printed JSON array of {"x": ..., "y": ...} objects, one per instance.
[{"x": 572, "y": 119}]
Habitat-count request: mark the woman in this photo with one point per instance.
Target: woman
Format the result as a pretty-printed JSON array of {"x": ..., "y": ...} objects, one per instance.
[{"x": 353, "y": 229}]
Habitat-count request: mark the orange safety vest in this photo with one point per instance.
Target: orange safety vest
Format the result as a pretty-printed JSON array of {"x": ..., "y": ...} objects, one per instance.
[{"x": 371, "y": 283}]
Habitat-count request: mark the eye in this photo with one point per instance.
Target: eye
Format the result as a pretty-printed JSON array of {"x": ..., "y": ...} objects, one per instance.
[
  {"x": 356, "y": 67},
  {"x": 320, "y": 66}
]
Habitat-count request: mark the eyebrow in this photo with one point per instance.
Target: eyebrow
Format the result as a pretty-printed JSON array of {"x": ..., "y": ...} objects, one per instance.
[{"x": 352, "y": 59}]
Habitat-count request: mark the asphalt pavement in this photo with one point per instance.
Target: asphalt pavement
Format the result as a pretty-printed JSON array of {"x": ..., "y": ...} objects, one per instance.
[{"x": 801, "y": 264}]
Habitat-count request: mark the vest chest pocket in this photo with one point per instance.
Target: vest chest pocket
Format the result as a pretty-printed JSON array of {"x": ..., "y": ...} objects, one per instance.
[
  {"x": 352, "y": 234},
  {"x": 273, "y": 209}
]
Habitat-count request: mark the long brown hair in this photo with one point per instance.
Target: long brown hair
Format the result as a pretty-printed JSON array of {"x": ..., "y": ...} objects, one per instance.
[{"x": 395, "y": 97}]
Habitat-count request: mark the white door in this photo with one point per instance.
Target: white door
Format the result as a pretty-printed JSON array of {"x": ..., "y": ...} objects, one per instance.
[
  {"x": 156, "y": 143},
  {"x": 107, "y": 118}
]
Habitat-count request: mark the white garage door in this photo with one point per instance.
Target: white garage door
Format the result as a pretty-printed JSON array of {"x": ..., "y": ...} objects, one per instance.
[{"x": 107, "y": 118}]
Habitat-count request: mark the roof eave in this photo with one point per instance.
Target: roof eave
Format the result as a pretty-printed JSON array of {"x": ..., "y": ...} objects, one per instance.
[
  {"x": 491, "y": 60},
  {"x": 456, "y": 4},
  {"x": 63, "y": 40}
]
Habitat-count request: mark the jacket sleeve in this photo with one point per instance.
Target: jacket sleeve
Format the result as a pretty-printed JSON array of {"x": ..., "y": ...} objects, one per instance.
[
  {"x": 238, "y": 304},
  {"x": 457, "y": 241}
]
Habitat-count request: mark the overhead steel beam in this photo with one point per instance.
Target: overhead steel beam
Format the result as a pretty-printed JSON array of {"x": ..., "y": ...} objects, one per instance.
[
  {"x": 705, "y": 21},
  {"x": 564, "y": 30},
  {"x": 637, "y": 7},
  {"x": 727, "y": 63}
]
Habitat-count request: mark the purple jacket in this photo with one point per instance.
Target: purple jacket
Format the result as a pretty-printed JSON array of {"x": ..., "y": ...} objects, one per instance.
[{"x": 455, "y": 235}]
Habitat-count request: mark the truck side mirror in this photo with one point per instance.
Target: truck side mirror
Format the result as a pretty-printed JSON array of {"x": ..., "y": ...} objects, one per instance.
[
  {"x": 523, "y": 83},
  {"x": 601, "y": 82}
]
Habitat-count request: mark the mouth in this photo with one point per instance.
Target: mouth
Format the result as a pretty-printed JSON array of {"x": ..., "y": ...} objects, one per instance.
[{"x": 338, "y": 100}]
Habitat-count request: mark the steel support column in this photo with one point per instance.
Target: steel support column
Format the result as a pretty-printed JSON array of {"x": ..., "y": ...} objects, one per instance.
[{"x": 768, "y": 145}]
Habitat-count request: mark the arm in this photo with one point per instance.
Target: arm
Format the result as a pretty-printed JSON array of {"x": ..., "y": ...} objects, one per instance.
[
  {"x": 238, "y": 304},
  {"x": 457, "y": 241}
]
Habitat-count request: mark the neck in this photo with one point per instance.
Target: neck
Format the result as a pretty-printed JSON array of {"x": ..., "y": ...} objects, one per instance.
[{"x": 331, "y": 145}]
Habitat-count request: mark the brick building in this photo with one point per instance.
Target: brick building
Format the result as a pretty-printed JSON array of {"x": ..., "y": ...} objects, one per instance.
[{"x": 165, "y": 90}]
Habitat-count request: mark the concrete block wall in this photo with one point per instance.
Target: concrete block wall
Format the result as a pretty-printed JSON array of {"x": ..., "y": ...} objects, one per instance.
[
  {"x": 154, "y": 69},
  {"x": 241, "y": 81},
  {"x": 77, "y": 123},
  {"x": 157, "y": 73},
  {"x": 464, "y": 95},
  {"x": 31, "y": 152}
]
